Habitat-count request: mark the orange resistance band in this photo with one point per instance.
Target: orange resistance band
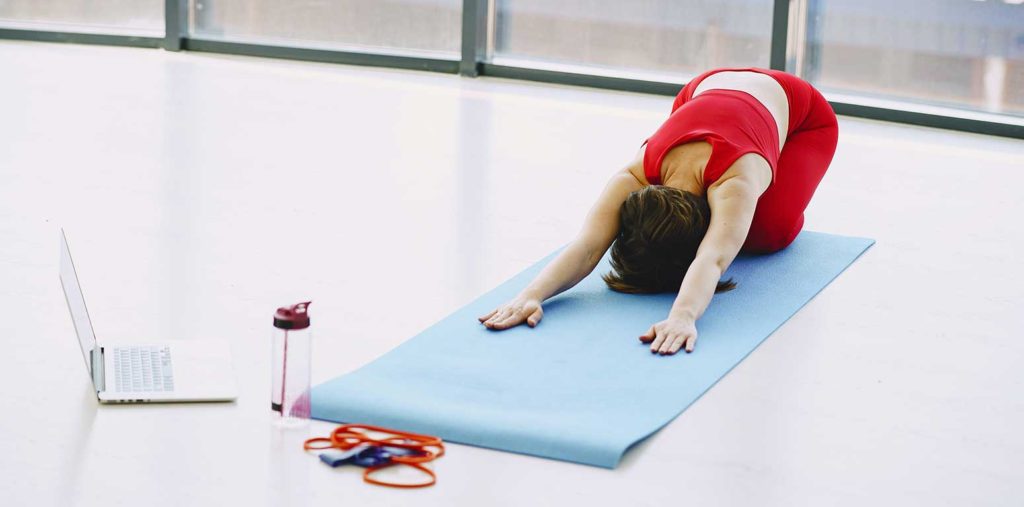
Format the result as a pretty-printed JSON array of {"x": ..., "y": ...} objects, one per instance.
[{"x": 347, "y": 436}]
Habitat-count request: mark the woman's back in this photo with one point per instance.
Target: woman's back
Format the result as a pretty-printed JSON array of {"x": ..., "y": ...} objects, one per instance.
[{"x": 762, "y": 87}]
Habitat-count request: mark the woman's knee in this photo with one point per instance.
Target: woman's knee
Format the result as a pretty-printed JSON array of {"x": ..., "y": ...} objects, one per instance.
[{"x": 770, "y": 238}]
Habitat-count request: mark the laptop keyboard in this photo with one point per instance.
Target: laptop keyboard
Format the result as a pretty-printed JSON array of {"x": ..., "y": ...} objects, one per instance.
[{"x": 143, "y": 369}]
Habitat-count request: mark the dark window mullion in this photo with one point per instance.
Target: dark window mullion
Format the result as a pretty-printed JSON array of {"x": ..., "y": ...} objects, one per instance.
[
  {"x": 474, "y": 36},
  {"x": 175, "y": 23},
  {"x": 780, "y": 32}
]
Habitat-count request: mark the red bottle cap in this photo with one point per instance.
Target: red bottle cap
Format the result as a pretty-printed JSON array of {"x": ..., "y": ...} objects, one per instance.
[{"x": 292, "y": 317}]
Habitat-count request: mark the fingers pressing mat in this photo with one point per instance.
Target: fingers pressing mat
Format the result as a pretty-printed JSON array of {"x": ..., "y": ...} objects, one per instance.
[{"x": 578, "y": 386}]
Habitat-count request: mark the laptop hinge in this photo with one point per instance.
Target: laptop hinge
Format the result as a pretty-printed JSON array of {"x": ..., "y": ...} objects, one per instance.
[{"x": 98, "y": 377}]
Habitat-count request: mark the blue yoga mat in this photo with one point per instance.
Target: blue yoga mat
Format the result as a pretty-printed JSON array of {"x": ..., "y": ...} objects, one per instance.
[{"x": 577, "y": 387}]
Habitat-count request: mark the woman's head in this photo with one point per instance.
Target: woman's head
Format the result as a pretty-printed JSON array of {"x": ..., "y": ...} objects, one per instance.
[{"x": 660, "y": 229}]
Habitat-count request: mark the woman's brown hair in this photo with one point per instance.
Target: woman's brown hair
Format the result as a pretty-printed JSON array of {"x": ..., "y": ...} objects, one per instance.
[{"x": 660, "y": 229}]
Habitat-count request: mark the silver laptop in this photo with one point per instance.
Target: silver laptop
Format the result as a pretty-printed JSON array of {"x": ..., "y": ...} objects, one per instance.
[{"x": 174, "y": 371}]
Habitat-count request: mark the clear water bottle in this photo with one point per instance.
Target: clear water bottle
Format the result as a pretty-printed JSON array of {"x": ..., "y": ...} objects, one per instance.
[{"x": 290, "y": 365}]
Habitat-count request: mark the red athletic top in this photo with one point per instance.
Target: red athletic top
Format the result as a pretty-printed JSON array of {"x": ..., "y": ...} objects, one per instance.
[{"x": 733, "y": 122}]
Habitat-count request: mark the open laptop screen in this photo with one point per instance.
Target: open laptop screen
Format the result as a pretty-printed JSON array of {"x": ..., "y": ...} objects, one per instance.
[{"x": 76, "y": 302}]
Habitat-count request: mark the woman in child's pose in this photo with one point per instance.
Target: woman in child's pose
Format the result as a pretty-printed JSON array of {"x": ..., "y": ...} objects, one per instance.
[{"x": 732, "y": 169}]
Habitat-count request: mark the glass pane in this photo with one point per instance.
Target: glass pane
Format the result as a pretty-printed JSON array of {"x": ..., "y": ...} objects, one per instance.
[
  {"x": 966, "y": 54},
  {"x": 129, "y": 17},
  {"x": 411, "y": 26},
  {"x": 667, "y": 40}
]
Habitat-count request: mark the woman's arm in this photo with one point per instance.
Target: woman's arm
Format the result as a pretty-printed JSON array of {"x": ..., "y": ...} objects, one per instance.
[
  {"x": 733, "y": 200},
  {"x": 574, "y": 263}
]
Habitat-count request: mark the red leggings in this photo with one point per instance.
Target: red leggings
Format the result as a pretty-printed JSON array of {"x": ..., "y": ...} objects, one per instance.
[{"x": 806, "y": 155}]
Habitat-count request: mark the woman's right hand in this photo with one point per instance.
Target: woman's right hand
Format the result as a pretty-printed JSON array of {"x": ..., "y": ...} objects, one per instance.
[{"x": 515, "y": 312}]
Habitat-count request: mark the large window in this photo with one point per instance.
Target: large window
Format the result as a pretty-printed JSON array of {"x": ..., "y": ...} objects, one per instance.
[
  {"x": 967, "y": 54},
  {"x": 668, "y": 40},
  {"x": 430, "y": 27},
  {"x": 944, "y": 63},
  {"x": 128, "y": 17}
]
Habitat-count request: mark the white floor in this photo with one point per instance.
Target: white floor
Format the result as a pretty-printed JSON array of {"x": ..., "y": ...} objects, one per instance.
[{"x": 200, "y": 192}]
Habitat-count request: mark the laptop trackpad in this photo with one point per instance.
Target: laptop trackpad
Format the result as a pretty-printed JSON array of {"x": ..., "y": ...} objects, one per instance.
[{"x": 203, "y": 370}]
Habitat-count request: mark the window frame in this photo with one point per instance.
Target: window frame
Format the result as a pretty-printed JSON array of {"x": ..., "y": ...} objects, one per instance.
[{"x": 477, "y": 44}]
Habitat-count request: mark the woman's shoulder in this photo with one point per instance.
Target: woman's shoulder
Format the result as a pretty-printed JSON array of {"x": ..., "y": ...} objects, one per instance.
[
  {"x": 751, "y": 168},
  {"x": 635, "y": 167}
]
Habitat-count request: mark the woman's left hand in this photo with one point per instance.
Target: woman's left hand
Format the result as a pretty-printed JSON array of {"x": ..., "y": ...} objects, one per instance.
[{"x": 671, "y": 334}]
